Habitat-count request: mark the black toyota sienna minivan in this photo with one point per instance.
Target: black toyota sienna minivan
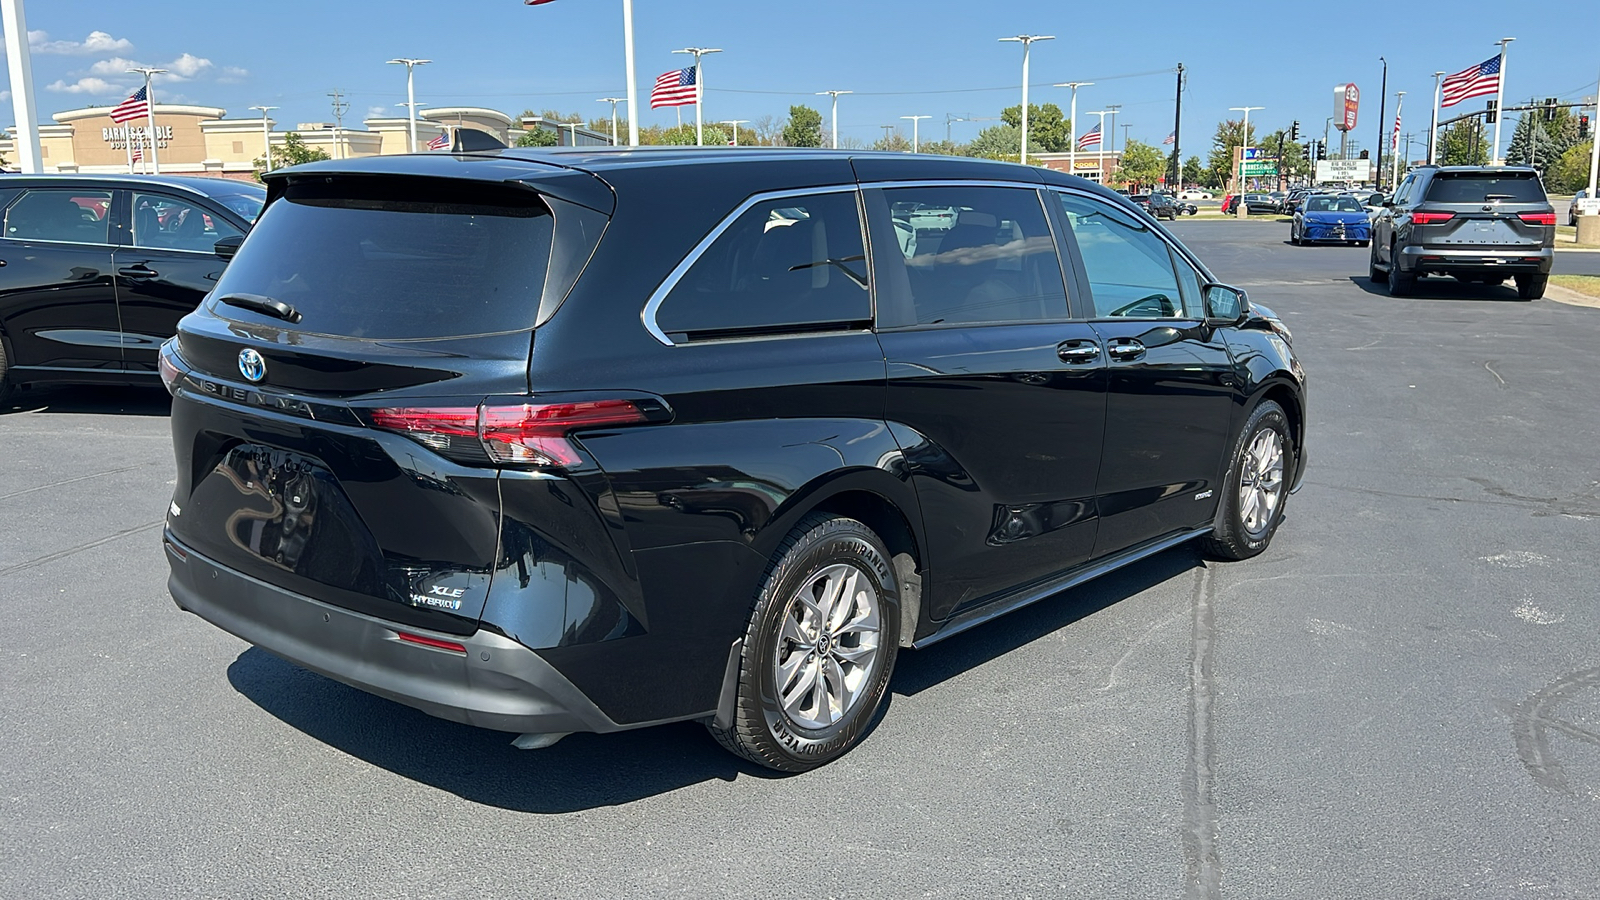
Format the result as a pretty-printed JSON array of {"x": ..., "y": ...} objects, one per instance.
[{"x": 548, "y": 442}]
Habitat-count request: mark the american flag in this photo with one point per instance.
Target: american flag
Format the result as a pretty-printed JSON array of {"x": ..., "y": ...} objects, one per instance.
[
  {"x": 1091, "y": 138},
  {"x": 1480, "y": 80},
  {"x": 1171, "y": 136},
  {"x": 675, "y": 88},
  {"x": 441, "y": 142},
  {"x": 1394, "y": 141},
  {"x": 136, "y": 106}
]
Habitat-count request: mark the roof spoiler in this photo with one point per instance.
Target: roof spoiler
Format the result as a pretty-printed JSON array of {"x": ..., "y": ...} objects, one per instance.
[{"x": 469, "y": 140}]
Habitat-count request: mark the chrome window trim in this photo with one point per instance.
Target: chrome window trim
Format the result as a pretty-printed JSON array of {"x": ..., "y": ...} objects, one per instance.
[
  {"x": 954, "y": 182},
  {"x": 27, "y": 240},
  {"x": 652, "y": 306}
]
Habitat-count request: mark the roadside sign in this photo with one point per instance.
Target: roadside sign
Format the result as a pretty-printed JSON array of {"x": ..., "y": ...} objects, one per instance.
[
  {"x": 1344, "y": 170},
  {"x": 1256, "y": 168},
  {"x": 1346, "y": 103},
  {"x": 1252, "y": 153},
  {"x": 1589, "y": 207}
]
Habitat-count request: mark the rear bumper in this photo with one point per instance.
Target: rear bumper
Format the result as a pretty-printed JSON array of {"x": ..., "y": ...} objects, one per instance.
[
  {"x": 497, "y": 683},
  {"x": 1446, "y": 261}
]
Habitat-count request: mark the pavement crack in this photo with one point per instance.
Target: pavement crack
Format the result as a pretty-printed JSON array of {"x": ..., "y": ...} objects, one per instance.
[
  {"x": 66, "y": 481},
  {"x": 1203, "y": 869},
  {"x": 52, "y": 557}
]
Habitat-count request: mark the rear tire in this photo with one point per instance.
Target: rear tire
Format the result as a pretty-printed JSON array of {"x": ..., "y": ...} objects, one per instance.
[
  {"x": 1531, "y": 287},
  {"x": 1375, "y": 274},
  {"x": 1400, "y": 284},
  {"x": 819, "y": 648},
  {"x": 5, "y": 381},
  {"x": 1256, "y": 487}
]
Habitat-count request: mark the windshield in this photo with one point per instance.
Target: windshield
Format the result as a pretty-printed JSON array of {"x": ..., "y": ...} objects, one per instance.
[
  {"x": 1333, "y": 204},
  {"x": 248, "y": 206},
  {"x": 397, "y": 259}
]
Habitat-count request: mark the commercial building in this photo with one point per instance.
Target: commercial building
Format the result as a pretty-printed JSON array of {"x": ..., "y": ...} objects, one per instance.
[
  {"x": 1089, "y": 164},
  {"x": 201, "y": 140}
]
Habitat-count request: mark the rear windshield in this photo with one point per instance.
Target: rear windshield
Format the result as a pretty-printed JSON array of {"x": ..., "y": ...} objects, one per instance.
[
  {"x": 393, "y": 259},
  {"x": 1521, "y": 188}
]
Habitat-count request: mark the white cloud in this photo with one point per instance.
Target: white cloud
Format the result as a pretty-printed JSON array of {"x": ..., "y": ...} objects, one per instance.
[
  {"x": 97, "y": 43},
  {"x": 187, "y": 66},
  {"x": 116, "y": 65},
  {"x": 4, "y": 96},
  {"x": 233, "y": 75},
  {"x": 90, "y": 85},
  {"x": 377, "y": 112}
]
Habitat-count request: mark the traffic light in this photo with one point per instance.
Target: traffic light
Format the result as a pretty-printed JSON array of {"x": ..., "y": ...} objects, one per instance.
[
  {"x": 1322, "y": 150},
  {"x": 1365, "y": 154},
  {"x": 1294, "y": 131},
  {"x": 1493, "y": 113},
  {"x": 1583, "y": 127},
  {"x": 1550, "y": 109},
  {"x": 1305, "y": 152}
]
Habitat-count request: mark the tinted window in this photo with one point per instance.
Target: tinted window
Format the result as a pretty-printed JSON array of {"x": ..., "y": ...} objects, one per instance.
[
  {"x": 1194, "y": 303},
  {"x": 167, "y": 223},
  {"x": 397, "y": 258},
  {"x": 795, "y": 263},
  {"x": 1451, "y": 188},
  {"x": 991, "y": 259},
  {"x": 61, "y": 215},
  {"x": 248, "y": 206},
  {"x": 1128, "y": 264}
]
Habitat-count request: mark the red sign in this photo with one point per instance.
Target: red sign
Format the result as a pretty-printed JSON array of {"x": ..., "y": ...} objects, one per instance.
[{"x": 1346, "y": 102}]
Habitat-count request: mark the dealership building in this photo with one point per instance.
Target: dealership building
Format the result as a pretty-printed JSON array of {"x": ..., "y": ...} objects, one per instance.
[{"x": 202, "y": 140}]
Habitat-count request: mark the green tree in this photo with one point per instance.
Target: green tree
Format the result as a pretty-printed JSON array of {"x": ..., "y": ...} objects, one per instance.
[
  {"x": 1229, "y": 137},
  {"x": 943, "y": 148},
  {"x": 1046, "y": 127},
  {"x": 1290, "y": 163},
  {"x": 602, "y": 124},
  {"x": 894, "y": 141},
  {"x": 1193, "y": 172},
  {"x": 1463, "y": 144},
  {"x": 539, "y": 137},
  {"x": 551, "y": 115},
  {"x": 1141, "y": 165},
  {"x": 292, "y": 152},
  {"x": 1002, "y": 142},
  {"x": 1570, "y": 173},
  {"x": 804, "y": 128}
]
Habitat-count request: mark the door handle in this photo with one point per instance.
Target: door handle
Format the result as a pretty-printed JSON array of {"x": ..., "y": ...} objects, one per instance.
[
  {"x": 1126, "y": 350},
  {"x": 138, "y": 271},
  {"x": 1078, "y": 352}
]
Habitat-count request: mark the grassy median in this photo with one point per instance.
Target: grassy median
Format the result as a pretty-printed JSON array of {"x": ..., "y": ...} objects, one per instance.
[{"x": 1588, "y": 285}]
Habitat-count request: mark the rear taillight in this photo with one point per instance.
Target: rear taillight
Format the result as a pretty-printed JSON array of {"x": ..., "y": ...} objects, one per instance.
[
  {"x": 534, "y": 434},
  {"x": 168, "y": 369},
  {"x": 1548, "y": 218},
  {"x": 1431, "y": 218}
]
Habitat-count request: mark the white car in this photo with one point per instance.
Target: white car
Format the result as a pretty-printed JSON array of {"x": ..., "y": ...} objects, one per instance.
[
  {"x": 1194, "y": 195},
  {"x": 1572, "y": 209}
]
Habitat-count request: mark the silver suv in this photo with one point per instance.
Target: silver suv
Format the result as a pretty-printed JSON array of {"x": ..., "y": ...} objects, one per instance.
[{"x": 1474, "y": 223}]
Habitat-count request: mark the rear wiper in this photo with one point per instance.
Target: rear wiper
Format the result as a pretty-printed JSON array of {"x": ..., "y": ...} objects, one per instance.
[{"x": 275, "y": 308}]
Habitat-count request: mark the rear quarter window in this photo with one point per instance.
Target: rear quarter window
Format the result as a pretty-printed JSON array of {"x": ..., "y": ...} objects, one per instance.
[{"x": 1450, "y": 188}]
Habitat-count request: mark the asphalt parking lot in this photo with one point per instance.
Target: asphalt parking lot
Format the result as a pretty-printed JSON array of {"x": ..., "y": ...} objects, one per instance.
[{"x": 1401, "y": 698}]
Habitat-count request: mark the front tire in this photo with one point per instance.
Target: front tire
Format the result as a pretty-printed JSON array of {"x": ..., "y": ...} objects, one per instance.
[
  {"x": 1531, "y": 287},
  {"x": 1375, "y": 274},
  {"x": 1256, "y": 487},
  {"x": 819, "y": 648}
]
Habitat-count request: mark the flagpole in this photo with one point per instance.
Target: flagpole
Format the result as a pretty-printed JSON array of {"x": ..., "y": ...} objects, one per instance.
[
  {"x": 1499, "y": 97},
  {"x": 150, "y": 112},
  {"x": 1072, "y": 125},
  {"x": 1433, "y": 124},
  {"x": 127, "y": 144},
  {"x": 627, "y": 52},
  {"x": 1394, "y": 142}
]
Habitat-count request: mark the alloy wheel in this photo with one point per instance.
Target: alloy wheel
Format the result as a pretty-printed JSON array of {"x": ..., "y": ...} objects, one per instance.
[
  {"x": 824, "y": 657},
  {"x": 1261, "y": 482}
]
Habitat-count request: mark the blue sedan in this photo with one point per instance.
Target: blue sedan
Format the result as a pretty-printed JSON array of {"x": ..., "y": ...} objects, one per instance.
[{"x": 1339, "y": 219}]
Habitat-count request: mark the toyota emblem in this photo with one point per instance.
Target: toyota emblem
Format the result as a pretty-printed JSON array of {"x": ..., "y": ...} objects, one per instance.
[{"x": 251, "y": 365}]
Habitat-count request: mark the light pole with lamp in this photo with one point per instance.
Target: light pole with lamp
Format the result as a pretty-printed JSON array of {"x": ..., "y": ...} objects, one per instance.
[
  {"x": 699, "y": 89},
  {"x": 411, "y": 94},
  {"x": 572, "y": 136},
  {"x": 1026, "y": 40},
  {"x": 734, "y": 124},
  {"x": 1240, "y": 210},
  {"x": 1072, "y": 125},
  {"x": 835, "y": 96},
  {"x": 150, "y": 115},
  {"x": 266, "y": 134},
  {"x": 915, "y": 120},
  {"x": 613, "y": 101}
]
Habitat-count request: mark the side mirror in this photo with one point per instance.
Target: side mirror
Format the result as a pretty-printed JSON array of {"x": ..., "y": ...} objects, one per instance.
[
  {"x": 227, "y": 247},
  {"x": 1225, "y": 305}
]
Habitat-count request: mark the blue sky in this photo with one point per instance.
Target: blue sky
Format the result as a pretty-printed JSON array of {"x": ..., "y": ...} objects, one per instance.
[{"x": 901, "y": 58}]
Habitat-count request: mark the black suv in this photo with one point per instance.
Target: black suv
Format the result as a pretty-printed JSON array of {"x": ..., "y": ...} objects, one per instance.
[
  {"x": 586, "y": 441},
  {"x": 1476, "y": 223},
  {"x": 96, "y": 271}
]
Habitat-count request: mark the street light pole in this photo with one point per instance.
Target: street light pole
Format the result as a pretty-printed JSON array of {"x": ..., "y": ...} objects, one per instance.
[
  {"x": 411, "y": 94},
  {"x": 1026, "y": 40},
  {"x": 835, "y": 96},
  {"x": 1244, "y": 142},
  {"x": 1499, "y": 102},
  {"x": 699, "y": 89},
  {"x": 627, "y": 52},
  {"x": 1113, "y": 107},
  {"x": 1072, "y": 125},
  {"x": 915, "y": 120},
  {"x": 150, "y": 116},
  {"x": 19, "y": 64},
  {"x": 613, "y": 101},
  {"x": 572, "y": 136},
  {"x": 735, "y": 123},
  {"x": 266, "y": 134},
  {"x": 1383, "y": 122}
]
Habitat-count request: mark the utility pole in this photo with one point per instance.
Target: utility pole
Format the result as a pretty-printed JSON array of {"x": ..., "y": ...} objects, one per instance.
[
  {"x": 613, "y": 101},
  {"x": 1072, "y": 125},
  {"x": 150, "y": 117},
  {"x": 1499, "y": 102},
  {"x": 1125, "y": 128},
  {"x": 266, "y": 133},
  {"x": 887, "y": 130},
  {"x": 19, "y": 62},
  {"x": 915, "y": 148},
  {"x": 699, "y": 90},
  {"x": 411, "y": 94},
  {"x": 1026, "y": 40},
  {"x": 340, "y": 107},
  {"x": 1112, "y": 109},
  {"x": 1177, "y": 125},
  {"x": 835, "y": 96}
]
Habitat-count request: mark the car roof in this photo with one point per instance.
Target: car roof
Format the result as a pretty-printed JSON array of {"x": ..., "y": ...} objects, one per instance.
[{"x": 208, "y": 187}]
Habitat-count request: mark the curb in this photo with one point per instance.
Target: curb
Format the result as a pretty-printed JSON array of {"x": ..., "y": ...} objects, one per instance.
[{"x": 1570, "y": 297}]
